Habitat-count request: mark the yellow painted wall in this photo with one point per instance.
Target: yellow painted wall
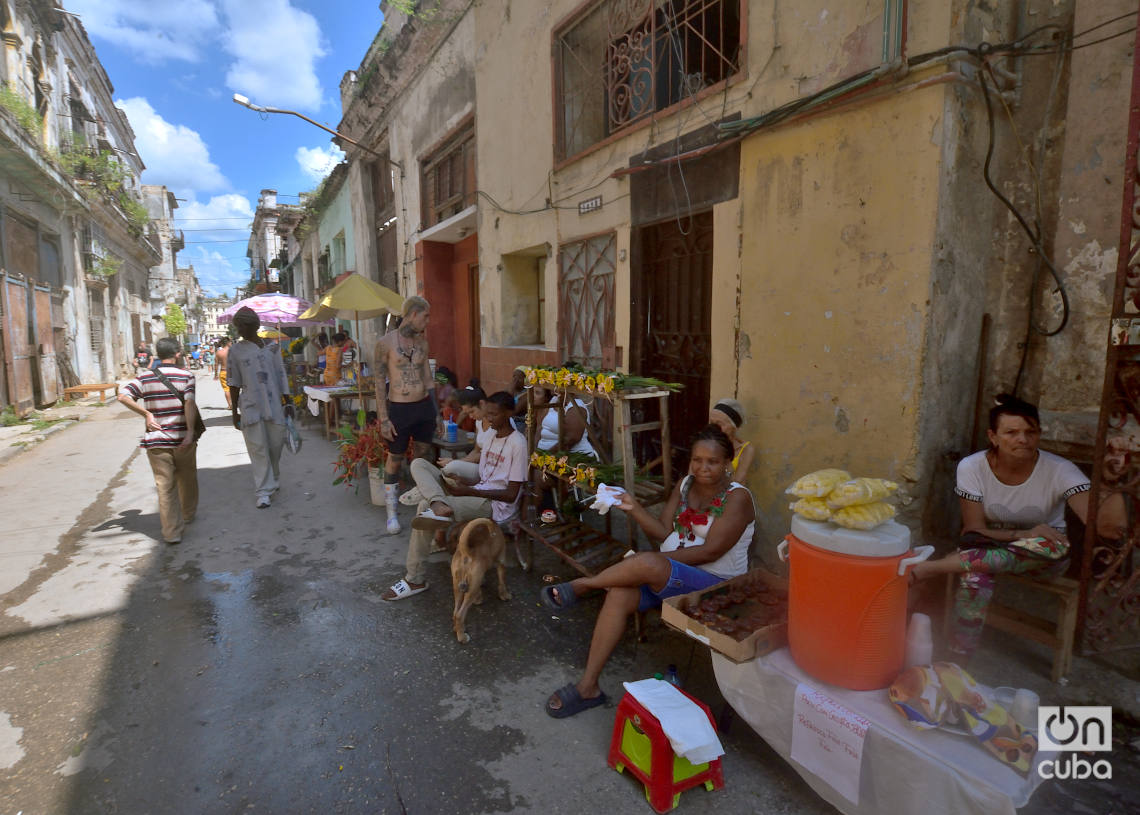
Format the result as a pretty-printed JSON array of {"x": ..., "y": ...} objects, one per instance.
[{"x": 839, "y": 216}]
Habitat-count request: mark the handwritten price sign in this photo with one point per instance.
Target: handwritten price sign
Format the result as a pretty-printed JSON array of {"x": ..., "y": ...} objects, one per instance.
[{"x": 827, "y": 739}]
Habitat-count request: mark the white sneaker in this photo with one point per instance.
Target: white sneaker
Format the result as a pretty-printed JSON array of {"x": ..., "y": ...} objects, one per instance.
[
  {"x": 412, "y": 497},
  {"x": 393, "y": 525},
  {"x": 263, "y": 501}
]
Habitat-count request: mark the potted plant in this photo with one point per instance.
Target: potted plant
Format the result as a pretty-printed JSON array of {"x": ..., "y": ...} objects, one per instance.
[
  {"x": 364, "y": 446},
  {"x": 297, "y": 348}
]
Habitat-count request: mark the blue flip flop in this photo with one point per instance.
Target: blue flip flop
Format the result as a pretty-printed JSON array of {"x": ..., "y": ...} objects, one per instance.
[
  {"x": 572, "y": 702},
  {"x": 565, "y": 598}
]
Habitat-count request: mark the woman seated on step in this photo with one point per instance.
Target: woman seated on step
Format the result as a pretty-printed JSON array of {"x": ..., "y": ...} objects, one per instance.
[
  {"x": 728, "y": 415},
  {"x": 704, "y": 529},
  {"x": 1010, "y": 492}
]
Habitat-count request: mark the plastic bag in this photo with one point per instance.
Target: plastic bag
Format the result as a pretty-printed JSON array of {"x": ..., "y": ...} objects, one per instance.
[
  {"x": 819, "y": 483},
  {"x": 860, "y": 491},
  {"x": 605, "y": 498},
  {"x": 863, "y": 516},
  {"x": 814, "y": 509},
  {"x": 292, "y": 436}
]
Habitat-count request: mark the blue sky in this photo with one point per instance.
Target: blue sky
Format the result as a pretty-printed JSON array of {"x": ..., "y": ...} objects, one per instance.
[{"x": 175, "y": 65}]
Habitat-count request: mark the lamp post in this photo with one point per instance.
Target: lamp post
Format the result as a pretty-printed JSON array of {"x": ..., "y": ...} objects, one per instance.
[{"x": 244, "y": 102}]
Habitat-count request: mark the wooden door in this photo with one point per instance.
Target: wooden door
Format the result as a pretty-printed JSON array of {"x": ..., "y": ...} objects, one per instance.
[
  {"x": 671, "y": 321},
  {"x": 47, "y": 364},
  {"x": 15, "y": 294},
  {"x": 476, "y": 321}
]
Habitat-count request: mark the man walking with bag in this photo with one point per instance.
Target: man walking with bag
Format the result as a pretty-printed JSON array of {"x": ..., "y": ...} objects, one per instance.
[
  {"x": 164, "y": 397},
  {"x": 259, "y": 390}
]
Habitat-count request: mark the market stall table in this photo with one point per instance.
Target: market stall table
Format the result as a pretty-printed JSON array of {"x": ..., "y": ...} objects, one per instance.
[
  {"x": 327, "y": 398},
  {"x": 903, "y": 770}
]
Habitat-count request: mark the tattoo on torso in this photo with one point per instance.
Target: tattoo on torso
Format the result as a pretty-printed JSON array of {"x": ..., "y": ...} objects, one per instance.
[{"x": 405, "y": 359}]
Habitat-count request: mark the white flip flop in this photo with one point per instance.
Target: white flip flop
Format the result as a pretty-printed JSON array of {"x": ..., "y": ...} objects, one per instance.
[
  {"x": 403, "y": 590},
  {"x": 428, "y": 520}
]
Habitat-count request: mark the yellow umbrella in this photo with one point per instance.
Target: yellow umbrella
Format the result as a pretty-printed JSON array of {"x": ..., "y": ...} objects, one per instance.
[
  {"x": 351, "y": 299},
  {"x": 354, "y": 298},
  {"x": 271, "y": 334}
]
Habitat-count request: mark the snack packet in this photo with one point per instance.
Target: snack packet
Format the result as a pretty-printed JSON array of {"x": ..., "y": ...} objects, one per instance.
[
  {"x": 860, "y": 491},
  {"x": 819, "y": 483},
  {"x": 863, "y": 516},
  {"x": 814, "y": 509}
]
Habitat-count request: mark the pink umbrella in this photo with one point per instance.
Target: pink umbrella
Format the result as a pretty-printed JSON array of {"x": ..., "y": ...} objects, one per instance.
[{"x": 274, "y": 308}]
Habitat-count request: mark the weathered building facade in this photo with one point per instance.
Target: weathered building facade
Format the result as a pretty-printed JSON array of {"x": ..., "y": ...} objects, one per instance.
[
  {"x": 793, "y": 204},
  {"x": 76, "y": 240}
]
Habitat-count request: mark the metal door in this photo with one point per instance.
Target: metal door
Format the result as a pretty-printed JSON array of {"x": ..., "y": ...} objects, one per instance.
[
  {"x": 17, "y": 351},
  {"x": 672, "y": 317},
  {"x": 1110, "y": 566}
]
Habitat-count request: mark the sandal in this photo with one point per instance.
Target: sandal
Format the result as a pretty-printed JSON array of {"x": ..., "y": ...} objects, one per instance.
[
  {"x": 402, "y": 590},
  {"x": 565, "y": 598},
  {"x": 428, "y": 520},
  {"x": 572, "y": 702}
]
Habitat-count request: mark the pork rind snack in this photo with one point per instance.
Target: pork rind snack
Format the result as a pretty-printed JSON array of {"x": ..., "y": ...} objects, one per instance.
[{"x": 819, "y": 483}]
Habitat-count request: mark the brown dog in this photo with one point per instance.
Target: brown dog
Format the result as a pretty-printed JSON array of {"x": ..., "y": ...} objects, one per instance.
[{"x": 481, "y": 546}]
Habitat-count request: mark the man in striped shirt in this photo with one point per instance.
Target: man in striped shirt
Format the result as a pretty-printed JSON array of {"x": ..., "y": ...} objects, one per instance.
[{"x": 169, "y": 442}]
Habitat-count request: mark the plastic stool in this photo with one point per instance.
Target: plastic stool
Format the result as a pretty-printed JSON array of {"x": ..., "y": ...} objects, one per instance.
[{"x": 639, "y": 745}]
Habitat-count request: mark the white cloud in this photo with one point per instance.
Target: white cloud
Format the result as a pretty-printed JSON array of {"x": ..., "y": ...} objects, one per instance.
[
  {"x": 317, "y": 162},
  {"x": 154, "y": 31},
  {"x": 221, "y": 266},
  {"x": 276, "y": 47},
  {"x": 174, "y": 154},
  {"x": 217, "y": 273}
]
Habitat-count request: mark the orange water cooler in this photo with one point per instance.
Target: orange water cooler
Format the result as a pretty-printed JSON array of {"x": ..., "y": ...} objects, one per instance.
[{"x": 847, "y": 594}]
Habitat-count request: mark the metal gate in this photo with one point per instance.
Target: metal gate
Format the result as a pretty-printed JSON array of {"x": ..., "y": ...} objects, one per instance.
[
  {"x": 15, "y": 296},
  {"x": 586, "y": 301},
  {"x": 672, "y": 319},
  {"x": 1110, "y": 567}
]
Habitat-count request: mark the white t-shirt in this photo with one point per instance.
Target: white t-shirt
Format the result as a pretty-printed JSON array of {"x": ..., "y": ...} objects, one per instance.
[
  {"x": 548, "y": 431},
  {"x": 733, "y": 562},
  {"x": 1041, "y": 499},
  {"x": 501, "y": 461}
]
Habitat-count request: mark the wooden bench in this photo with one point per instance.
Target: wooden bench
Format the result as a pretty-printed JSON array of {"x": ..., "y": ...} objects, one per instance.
[
  {"x": 80, "y": 391},
  {"x": 1058, "y": 634}
]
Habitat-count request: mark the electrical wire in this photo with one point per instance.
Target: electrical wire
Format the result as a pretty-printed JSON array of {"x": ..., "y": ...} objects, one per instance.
[{"x": 1034, "y": 235}]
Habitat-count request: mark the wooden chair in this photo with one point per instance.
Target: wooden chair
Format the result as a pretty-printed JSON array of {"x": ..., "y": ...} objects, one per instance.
[{"x": 1058, "y": 634}]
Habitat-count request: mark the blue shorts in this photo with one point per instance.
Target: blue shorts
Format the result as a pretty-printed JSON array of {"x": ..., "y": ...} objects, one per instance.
[{"x": 682, "y": 580}]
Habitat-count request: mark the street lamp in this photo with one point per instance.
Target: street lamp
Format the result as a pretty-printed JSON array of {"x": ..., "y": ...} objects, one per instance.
[{"x": 244, "y": 102}]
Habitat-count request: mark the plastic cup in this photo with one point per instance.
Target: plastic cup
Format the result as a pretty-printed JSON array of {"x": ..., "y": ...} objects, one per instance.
[{"x": 1023, "y": 708}]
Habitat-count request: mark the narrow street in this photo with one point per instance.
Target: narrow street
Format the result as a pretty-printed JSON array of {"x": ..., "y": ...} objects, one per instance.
[{"x": 254, "y": 667}]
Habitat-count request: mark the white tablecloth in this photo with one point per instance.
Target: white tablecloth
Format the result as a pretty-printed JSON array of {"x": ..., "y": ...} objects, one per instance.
[{"x": 904, "y": 770}]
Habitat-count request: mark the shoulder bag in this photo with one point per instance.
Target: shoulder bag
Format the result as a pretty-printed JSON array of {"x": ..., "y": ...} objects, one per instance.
[{"x": 199, "y": 425}]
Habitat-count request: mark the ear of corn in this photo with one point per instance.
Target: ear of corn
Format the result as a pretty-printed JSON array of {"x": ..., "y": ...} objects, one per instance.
[
  {"x": 819, "y": 483},
  {"x": 814, "y": 509},
  {"x": 860, "y": 491},
  {"x": 863, "y": 516}
]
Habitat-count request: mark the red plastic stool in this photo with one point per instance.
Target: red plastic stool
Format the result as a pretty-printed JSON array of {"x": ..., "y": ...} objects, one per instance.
[{"x": 639, "y": 745}]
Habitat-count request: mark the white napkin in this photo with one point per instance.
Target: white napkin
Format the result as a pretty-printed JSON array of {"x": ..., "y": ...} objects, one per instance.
[
  {"x": 687, "y": 727},
  {"x": 605, "y": 498}
]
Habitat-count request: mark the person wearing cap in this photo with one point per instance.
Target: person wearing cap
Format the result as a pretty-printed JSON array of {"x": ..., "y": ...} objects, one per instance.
[
  {"x": 728, "y": 415},
  {"x": 406, "y": 409},
  {"x": 260, "y": 401}
]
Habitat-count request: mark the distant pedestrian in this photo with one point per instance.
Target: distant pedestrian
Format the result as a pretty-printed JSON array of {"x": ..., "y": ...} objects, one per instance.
[
  {"x": 142, "y": 358},
  {"x": 164, "y": 397},
  {"x": 259, "y": 389},
  {"x": 220, "y": 368}
]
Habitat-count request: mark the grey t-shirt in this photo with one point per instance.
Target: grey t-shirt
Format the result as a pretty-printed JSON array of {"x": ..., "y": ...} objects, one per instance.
[{"x": 260, "y": 374}]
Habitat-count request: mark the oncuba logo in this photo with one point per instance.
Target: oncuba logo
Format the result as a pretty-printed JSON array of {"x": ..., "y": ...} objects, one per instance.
[{"x": 1071, "y": 729}]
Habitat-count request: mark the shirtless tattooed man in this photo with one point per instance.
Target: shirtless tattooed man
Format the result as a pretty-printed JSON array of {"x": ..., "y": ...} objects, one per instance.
[{"x": 410, "y": 411}]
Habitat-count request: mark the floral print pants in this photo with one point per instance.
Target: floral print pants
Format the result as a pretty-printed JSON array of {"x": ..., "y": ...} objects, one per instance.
[{"x": 976, "y": 589}]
